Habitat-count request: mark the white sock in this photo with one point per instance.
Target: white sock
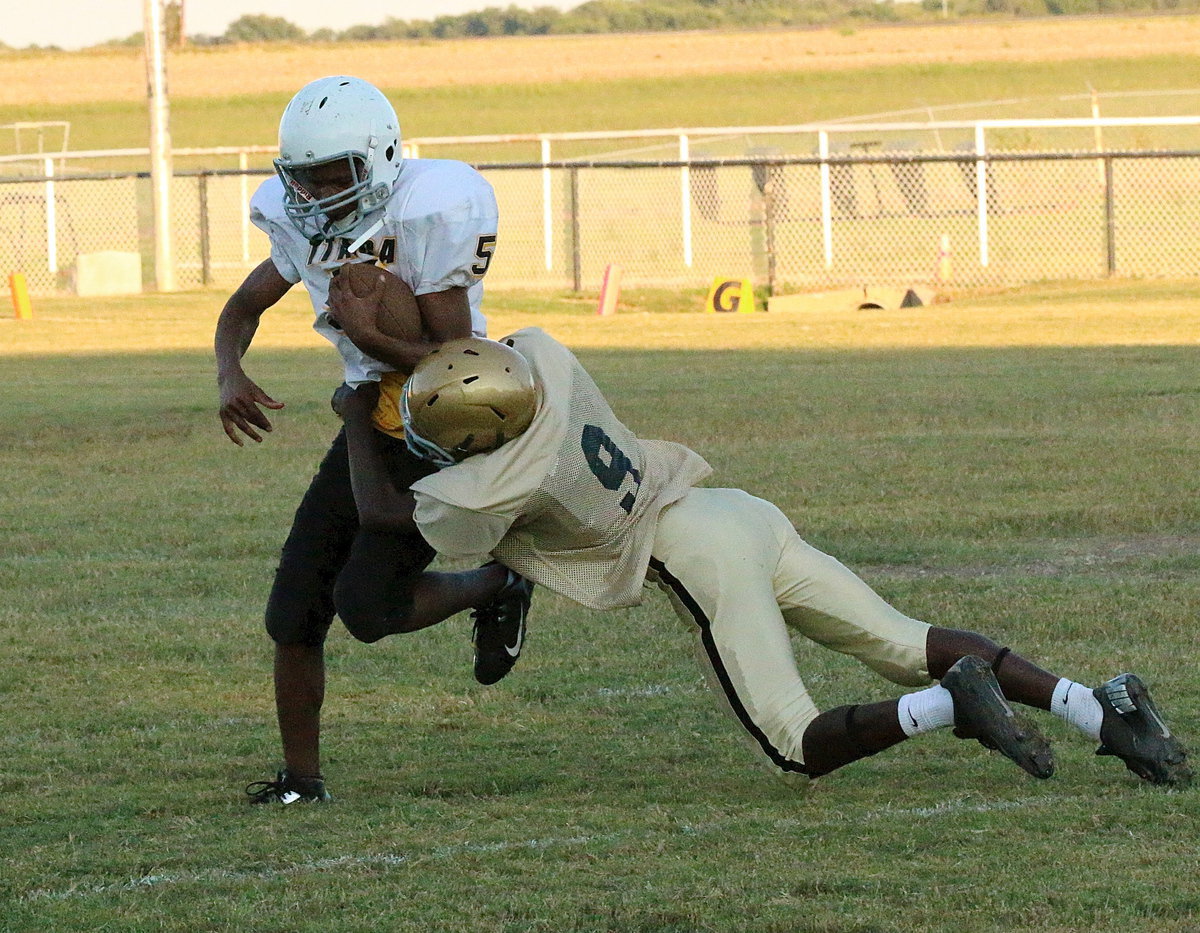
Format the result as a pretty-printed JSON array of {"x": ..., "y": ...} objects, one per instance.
[
  {"x": 1078, "y": 705},
  {"x": 926, "y": 710}
]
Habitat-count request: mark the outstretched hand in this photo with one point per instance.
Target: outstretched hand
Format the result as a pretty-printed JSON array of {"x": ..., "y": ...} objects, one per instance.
[{"x": 240, "y": 398}]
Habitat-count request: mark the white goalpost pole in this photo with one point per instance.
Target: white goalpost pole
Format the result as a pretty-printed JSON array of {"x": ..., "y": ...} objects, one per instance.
[
  {"x": 547, "y": 208},
  {"x": 981, "y": 194},
  {"x": 685, "y": 200},
  {"x": 244, "y": 166},
  {"x": 826, "y": 199},
  {"x": 160, "y": 143},
  {"x": 51, "y": 218}
]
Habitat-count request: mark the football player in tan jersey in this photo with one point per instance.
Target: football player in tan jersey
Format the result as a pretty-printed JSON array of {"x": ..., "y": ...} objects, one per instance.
[{"x": 534, "y": 465}]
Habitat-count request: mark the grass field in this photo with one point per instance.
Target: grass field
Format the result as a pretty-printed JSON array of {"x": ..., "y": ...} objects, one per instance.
[
  {"x": 43, "y": 77},
  {"x": 1022, "y": 463},
  {"x": 233, "y": 96}
]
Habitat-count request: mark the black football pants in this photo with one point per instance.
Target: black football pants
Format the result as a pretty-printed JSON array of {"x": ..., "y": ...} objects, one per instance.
[{"x": 325, "y": 540}]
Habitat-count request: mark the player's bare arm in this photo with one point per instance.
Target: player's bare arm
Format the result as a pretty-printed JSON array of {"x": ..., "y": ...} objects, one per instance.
[
  {"x": 381, "y": 506},
  {"x": 363, "y": 297},
  {"x": 446, "y": 315},
  {"x": 240, "y": 395}
]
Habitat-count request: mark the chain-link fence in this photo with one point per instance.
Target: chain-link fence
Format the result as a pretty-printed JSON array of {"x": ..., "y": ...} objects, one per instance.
[{"x": 790, "y": 223}]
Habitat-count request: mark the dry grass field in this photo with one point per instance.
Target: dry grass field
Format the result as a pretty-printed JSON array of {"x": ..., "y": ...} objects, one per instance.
[{"x": 28, "y": 79}]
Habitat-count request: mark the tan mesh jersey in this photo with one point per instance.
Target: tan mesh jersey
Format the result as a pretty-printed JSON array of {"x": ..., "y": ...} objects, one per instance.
[{"x": 572, "y": 503}]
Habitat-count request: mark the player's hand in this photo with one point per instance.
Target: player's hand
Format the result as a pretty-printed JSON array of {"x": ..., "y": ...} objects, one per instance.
[
  {"x": 240, "y": 401},
  {"x": 355, "y": 295},
  {"x": 347, "y": 399}
]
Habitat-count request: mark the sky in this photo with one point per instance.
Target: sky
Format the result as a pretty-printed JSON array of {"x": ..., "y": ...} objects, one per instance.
[{"x": 71, "y": 24}]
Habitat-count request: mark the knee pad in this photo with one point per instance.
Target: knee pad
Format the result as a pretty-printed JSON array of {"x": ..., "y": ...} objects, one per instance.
[
  {"x": 299, "y": 610},
  {"x": 373, "y": 594},
  {"x": 368, "y": 614}
]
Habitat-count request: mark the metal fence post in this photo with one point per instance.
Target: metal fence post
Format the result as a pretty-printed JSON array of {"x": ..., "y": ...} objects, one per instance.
[
  {"x": 1110, "y": 225},
  {"x": 205, "y": 248},
  {"x": 769, "y": 211},
  {"x": 576, "y": 248}
]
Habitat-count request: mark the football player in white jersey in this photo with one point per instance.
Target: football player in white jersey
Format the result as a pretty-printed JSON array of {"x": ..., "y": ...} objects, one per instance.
[
  {"x": 343, "y": 193},
  {"x": 535, "y": 467}
]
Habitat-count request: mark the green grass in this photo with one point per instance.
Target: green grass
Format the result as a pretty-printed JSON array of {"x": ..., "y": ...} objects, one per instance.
[
  {"x": 1020, "y": 463},
  {"x": 704, "y": 100}
]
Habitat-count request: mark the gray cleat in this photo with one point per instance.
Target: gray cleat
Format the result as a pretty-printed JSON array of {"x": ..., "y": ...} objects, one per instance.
[
  {"x": 1133, "y": 731},
  {"x": 981, "y": 712}
]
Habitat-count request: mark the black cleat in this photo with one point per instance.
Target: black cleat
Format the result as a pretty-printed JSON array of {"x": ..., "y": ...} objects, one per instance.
[
  {"x": 499, "y": 631},
  {"x": 981, "y": 712},
  {"x": 1133, "y": 731},
  {"x": 288, "y": 789}
]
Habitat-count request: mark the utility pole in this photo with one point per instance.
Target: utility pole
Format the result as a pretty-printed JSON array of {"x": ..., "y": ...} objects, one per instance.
[
  {"x": 160, "y": 143},
  {"x": 175, "y": 18}
]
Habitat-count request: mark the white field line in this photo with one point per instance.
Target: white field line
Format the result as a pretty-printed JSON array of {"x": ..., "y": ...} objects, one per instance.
[
  {"x": 951, "y": 808},
  {"x": 652, "y": 690}
]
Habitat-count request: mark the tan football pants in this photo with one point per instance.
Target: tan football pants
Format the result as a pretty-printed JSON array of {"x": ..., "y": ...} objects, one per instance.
[{"x": 740, "y": 576}]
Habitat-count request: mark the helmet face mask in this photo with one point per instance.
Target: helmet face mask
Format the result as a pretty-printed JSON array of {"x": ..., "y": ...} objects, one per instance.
[
  {"x": 425, "y": 449},
  {"x": 339, "y": 155},
  {"x": 470, "y": 396},
  {"x": 306, "y": 182}
]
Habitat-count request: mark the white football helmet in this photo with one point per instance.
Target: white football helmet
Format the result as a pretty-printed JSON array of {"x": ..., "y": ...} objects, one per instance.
[
  {"x": 470, "y": 396},
  {"x": 340, "y": 120}
]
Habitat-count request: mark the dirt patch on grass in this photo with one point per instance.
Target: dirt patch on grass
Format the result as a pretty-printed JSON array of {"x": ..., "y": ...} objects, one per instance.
[{"x": 70, "y": 78}]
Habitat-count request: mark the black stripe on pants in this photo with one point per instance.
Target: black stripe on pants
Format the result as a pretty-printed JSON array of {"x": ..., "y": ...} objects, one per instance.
[{"x": 778, "y": 758}]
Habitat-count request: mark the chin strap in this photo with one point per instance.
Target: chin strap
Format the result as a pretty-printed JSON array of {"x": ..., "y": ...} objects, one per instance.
[
  {"x": 370, "y": 232},
  {"x": 351, "y": 249}
]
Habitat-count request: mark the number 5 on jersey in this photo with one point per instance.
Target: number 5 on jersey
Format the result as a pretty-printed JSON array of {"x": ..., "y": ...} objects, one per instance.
[{"x": 483, "y": 252}]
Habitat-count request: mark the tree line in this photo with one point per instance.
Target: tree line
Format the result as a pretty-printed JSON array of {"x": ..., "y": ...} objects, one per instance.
[{"x": 617, "y": 16}]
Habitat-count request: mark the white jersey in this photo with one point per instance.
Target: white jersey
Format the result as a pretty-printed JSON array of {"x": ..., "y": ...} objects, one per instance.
[
  {"x": 438, "y": 231},
  {"x": 573, "y": 502}
]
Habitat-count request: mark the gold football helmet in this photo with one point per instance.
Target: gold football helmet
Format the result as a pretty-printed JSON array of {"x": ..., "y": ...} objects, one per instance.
[{"x": 470, "y": 396}]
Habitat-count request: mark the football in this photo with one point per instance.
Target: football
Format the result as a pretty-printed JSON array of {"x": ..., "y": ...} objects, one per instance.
[{"x": 398, "y": 315}]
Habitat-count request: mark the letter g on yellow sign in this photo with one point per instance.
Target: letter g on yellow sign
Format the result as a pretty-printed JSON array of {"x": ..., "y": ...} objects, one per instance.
[{"x": 726, "y": 294}]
